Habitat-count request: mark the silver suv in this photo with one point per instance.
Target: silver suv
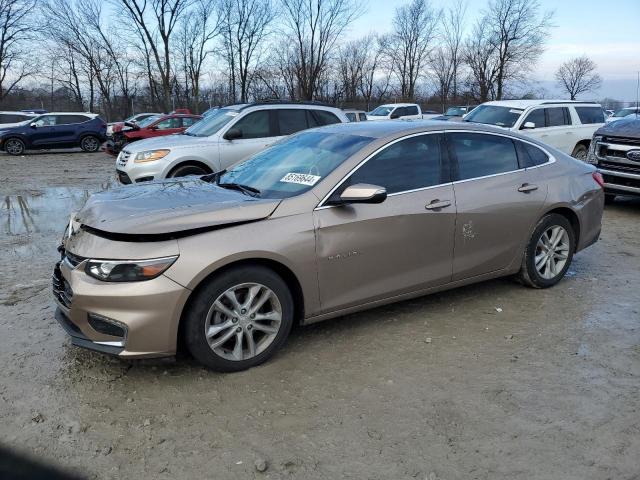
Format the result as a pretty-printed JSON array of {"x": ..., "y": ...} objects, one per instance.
[{"x": 220, "y": 140}]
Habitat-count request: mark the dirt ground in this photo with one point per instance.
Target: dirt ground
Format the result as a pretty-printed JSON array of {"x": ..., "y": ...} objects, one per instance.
[{"x": 514, "y": 383}]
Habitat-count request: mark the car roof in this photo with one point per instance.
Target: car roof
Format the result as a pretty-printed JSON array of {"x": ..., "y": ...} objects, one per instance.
[
  {"x": 353, "y": 110},
  {"x": 18, "y": 112},
  {"x": 398, "y": 105},
  {"x": 534, "y": 103},
  {"x": 89, "y": 114}
]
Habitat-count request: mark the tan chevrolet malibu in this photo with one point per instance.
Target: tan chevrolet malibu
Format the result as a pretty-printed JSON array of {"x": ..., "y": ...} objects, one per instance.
[{"x": 327, "y": 222}]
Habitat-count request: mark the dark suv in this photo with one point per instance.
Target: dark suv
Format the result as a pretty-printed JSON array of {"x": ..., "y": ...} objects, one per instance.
[{"x": 55, "y": 130}]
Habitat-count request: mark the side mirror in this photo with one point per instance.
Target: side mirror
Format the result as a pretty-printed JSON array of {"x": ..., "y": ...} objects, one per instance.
[
  {"x": 528, "y": 125},
  {"x": 363, "y": 193},
  {"x": 232, "y": 134},
  {"x": 394, "y": 115},
  {"x": 33, "y": 125}
]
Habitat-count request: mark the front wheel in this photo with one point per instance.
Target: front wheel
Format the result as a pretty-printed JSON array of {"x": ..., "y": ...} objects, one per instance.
[
  {"x": 90, "y": 144},
  {"x": 580, "y": 152},
  {"x": 187, "y": 169},
  {"x": 239, "y": 319},
  {"x": 549, "y": 252},
  {"x": 14, "y": 146}
]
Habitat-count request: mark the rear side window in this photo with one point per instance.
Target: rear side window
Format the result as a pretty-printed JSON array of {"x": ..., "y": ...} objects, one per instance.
[
  {"x": 69, "y": 119},
  {"x": 324, "y": 118},
  {"x": 536, "y": 117},
  {"x": 291, "y": 121},
  {"x": 590, "y": 114},
  {"x": 351, "y": 116},
  {"x": 406, "y": 165},
  {"x": 480, "y": 154},
  {"x": 530, "y": 156},
  {"x": 557, "y": 116},
  {"x": 413, "y": 110},
  {"x": 362, "y": 116},
  {"x": 255, "y": 125}
]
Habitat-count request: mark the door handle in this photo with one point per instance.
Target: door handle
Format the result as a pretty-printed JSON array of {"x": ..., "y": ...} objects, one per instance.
[
  {"x": 526, "y": 188},
  {"x": 437, "y": 204}
]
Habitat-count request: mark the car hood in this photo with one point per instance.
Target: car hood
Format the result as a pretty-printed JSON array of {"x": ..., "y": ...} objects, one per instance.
[
  {"x": 623, "y": 127},
  {"x": 169, "y": 141},
  {"x": 176, "y": 206}
]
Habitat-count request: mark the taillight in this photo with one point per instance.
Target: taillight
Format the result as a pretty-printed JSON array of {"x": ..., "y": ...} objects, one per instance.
[{"x": 597, "y": 176}]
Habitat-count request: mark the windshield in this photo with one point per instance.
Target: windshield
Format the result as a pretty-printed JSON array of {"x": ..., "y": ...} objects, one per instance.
[
  {"x": 294, "y": 165},
  {"x": 381, "y": 111},
  {"x": 624, "y": 112},
  {"x": 455, "y": 111},
  {"x": 211, "y": 123},
  {"x": 148, "y": 120},
  {"x": 494, "y": 115}
]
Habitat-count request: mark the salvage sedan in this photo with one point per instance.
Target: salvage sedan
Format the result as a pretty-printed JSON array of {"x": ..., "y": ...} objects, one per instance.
[{"x": 327, "y": 222}]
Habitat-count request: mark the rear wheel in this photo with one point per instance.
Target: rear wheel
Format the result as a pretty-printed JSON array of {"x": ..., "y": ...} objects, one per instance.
[
  {"x": 90, "y": 144},
  {"x": 14, "y": 146},
  {"x": 580, "y": 152},
  {"x": 188, "y": 169},
  {"x": 239, "y": 319},
  {"x": 549, "y": 252}
]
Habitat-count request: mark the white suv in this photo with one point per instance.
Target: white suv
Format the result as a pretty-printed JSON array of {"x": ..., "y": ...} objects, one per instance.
[
  {"x": 565, "y": 125},
  {"x": 220, "y": 139}
]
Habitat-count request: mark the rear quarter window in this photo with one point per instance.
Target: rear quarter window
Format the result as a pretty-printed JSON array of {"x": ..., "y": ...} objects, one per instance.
[
  {"x": 324, "y": 117},
  {"x": 589, "y": 115},
  {"x": 530, "y": 155}
]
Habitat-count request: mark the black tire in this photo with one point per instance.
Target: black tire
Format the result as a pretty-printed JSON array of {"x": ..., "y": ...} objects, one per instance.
[
  {"x": 609, "y": 198},
  {"x": 580, "y": 152},
  {"x": 529, "y": 274},
  {"x": 90, "y": 144},
  {"x": 187, "y": 169},
  {"x": 195, "y": 318},
  {"x": 14, "y": 146}
]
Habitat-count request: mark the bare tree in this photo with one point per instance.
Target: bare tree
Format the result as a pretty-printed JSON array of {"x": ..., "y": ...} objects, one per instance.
[
  {"x": 15, "y": 29},
  {"x": 480, "y": 57},
  {"x": 245, "y": 25},
  {"x": 411, "y": 43},
  {"x": 517, "y": 34},
  {"x": 352, "y": 58},
  {"x": 578, "y": 75},
  {"x": 313, "y": 27},
  {"x": 375, "y": 46}
]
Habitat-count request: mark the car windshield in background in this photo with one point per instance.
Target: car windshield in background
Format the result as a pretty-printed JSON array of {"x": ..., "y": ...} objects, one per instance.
[
  {"x": 494, "y": 115},
  {"x": 148, "y": 121},
  {"x": 624, "y": 112},
  {"x": 211, "y": 123},
  {"x": 381, "y": 111},
  {"x": 294, "y": 165},
  {"x": 455, "y": 112}
]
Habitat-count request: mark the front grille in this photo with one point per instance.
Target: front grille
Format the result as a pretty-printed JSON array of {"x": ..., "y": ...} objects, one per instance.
[
  {"x": 622, "y": 140},
  {"x": 123, "y": 177},
  {"x": 619, "y": 167},
  {"x": 626, "y": 182},
  {"x": 123, "y": 158},
  {"x": 61, "y": 289}
]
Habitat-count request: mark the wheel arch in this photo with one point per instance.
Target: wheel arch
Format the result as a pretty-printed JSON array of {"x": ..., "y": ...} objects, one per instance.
[
  {"x": 23, "y": 139},
  {"x": 183, "y": 163},
  {"x": 573, "y": 219}
]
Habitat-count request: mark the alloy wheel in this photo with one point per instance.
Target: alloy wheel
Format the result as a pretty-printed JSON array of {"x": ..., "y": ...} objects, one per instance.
[
  {"x": 14, "y": 147},
  {"x": 243, "y": 321},
  {"x": 90, "y": 144},
  {"x": 552, "y": 252}
]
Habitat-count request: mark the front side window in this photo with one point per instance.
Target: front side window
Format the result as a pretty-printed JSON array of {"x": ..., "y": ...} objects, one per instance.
[
  {"x": 168, "y": 124},
  {"x": 537, "y": 118},
  {"x": 45, "y": 121},
  {"x": 255, "y": 125},
  {"x": 557, "y": 116},
  {"x": 589, "y": 115},
  {"x": 409, "y": 164},
  {"x": 295, "y": 164},
  {"x": 351, "y": 116},
  {"x": 494, "y": 115},
  {"x": 480, "y": 154},
  {"x": 291, "y": 121}
]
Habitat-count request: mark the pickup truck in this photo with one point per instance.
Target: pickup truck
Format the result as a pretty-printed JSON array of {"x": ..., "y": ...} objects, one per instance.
[
  {"x": 615, "y": 151},
  {"x": 392, "y": 111}
]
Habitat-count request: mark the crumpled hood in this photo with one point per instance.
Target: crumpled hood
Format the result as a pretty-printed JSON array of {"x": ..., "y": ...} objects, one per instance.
[
  {"x": 625, "y": 127},
  {"x": 169, "y": 141},
  {"x": 170, "y": 206}
]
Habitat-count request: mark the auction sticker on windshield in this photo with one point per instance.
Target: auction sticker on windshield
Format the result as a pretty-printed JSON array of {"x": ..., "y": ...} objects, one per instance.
[{"x": 300, "y": 178}]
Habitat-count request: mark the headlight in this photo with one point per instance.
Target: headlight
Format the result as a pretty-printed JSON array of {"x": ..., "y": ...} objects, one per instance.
[
  {"x": 128, "y": 270},
  {"x": 151, "y": 155}
]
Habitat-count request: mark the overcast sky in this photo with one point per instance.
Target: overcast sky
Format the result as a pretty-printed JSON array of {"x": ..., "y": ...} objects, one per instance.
[{"x": 606, "y": 31}]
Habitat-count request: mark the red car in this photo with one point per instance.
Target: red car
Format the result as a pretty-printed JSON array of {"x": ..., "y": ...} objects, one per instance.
[{"x": 156, "y": 126}]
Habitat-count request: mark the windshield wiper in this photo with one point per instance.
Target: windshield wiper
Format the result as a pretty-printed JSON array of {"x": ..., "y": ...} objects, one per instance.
[{"x": 246, "y": 189}]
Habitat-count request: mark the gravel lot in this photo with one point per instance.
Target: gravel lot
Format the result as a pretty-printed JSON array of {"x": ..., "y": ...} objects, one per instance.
[{"x": 492, "y": 381}]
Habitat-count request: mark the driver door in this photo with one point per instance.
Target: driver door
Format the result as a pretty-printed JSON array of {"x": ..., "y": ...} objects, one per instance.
[
  {"x": 258, "y": 132},
  {"x": 368, "y": 252}
]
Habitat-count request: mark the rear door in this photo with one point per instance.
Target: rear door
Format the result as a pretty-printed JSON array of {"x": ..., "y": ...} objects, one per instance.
[
  {"x": 553, "y": 125},
  {"x": 498, "y": 202},
  {"x": 369, "y": 252}
]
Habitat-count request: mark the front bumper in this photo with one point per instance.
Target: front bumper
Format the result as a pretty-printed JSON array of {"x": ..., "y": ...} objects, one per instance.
[
  {"x": 621, "y": 183},
  {"x": 148, "y": 312}
]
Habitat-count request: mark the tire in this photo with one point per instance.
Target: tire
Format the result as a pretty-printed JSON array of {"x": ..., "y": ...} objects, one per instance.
[
  {"x": 609, "y": 198},
  {"x": 580, "y": 152},
  {"x": 14, "y": 146},
  {"x": 546, "y": 275},
  {"x": 90, "y": 144},
  {"x": 187, "y": 169},
  {"x": 212, "y": 312}
]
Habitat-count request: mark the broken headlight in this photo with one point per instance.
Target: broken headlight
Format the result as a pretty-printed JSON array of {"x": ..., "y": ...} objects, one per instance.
[{"x": 128, "y": 270}]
